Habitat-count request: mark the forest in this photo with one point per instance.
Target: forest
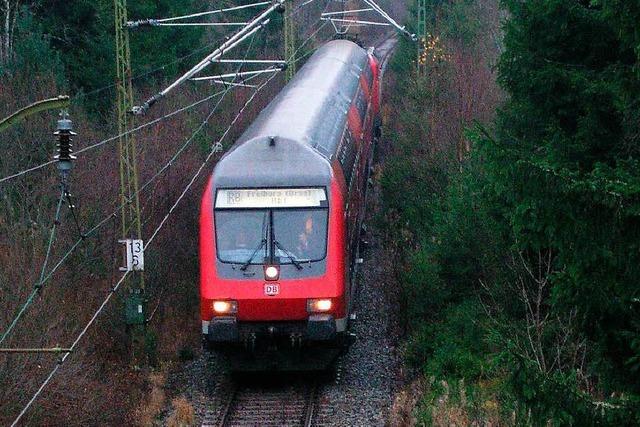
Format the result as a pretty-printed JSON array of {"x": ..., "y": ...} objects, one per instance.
[
  {"x": 510, "y": 187},
  {"x": 514, "y": 211}
]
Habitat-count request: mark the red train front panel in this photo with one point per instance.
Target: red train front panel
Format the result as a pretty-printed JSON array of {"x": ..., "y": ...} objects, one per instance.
[{"x": 271, "y": 299}]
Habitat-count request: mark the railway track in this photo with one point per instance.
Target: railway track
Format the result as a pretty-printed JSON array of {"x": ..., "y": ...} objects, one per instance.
[{"x": 291, "y": 405}]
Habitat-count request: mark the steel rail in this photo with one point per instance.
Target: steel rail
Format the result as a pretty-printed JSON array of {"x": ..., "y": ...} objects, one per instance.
[
  {"x": 226, "y": 412},
  {"x": 299, "y": 405},
  {"x": 312, "y": 404}
]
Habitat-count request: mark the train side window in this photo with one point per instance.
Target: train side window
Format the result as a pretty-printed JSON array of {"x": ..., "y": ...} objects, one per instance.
[
  {"x": 361, "y": 105},
  {"x": 347, "y": 155}
]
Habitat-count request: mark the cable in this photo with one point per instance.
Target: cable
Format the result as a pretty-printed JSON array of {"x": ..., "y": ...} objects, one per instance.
[
  {"x": 38, "y": 286},
  {"x": 116, "y": 137},
  {"x": 138, "y": 128},
  {"x": 216, "y": 148},
  {"x": 117, "y": 285},
  {"x": 158, "y": 68},
  {"x": 146, "y": 73},
  {"x": 196, "y": 15},
  {"x": 43, "y": 279}
]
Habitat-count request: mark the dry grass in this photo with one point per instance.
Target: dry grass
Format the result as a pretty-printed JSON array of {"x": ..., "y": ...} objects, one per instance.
[
  {"x": 412, "y": 406},
  {"x": 183, "y": 414},
  {"x": 446, "y": 411},
  {"x": 146, "y": 415},
  {"x": 402, "y": 411}
]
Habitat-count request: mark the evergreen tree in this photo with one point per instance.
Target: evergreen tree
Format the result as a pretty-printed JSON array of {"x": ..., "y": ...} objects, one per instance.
[{"x": 565, "y": 167}]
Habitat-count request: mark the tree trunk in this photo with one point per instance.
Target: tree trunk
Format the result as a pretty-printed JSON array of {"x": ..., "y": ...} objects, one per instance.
[{"x": 9, "y": 18}]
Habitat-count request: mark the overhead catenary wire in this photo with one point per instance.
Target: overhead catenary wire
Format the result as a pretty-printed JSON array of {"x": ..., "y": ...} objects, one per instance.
[
  {"x": 343, "y": 12},
  {"x": 134, "y": 24},
  {"x": 233, "y": 41},
  {"x": 358, "y": 22},
  {"x": 202, "y": 24},
  {"x": 43, "y": 279},
  {"x": 238, "y": 74},
  {"x": 92, "y": 231},
  {"x": 392, "y": 21},
  {"x": 259, "y": 21},
  {"x": 215, "y": 149},
  {"x": 167, "y": 165},
  {"x": 119, "y": 283},
  {"x": 149, "y": 72},
  {"x": 145, "y": 125},
  {"x": 43, "y": 269},
  {"x": 193, "y": 53},
  {"x": 164, "y": 117},
  {"x": 116, "y": 137}
]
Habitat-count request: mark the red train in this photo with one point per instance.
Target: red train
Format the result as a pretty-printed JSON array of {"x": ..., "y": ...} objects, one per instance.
[{"x": 281, "y": 214}]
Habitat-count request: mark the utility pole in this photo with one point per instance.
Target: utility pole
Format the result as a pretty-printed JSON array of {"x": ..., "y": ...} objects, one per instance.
[
  {"x": 289, "y": 40},
  {"x": 131, "y": 222},
  {"x": 422, "y": 38}
]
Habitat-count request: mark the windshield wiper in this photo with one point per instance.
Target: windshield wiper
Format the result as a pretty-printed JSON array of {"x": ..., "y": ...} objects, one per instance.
[
  {"x": 253, "y": 255},
  {"x": 293, "y": 259},
  {"x": 262, "y": 244}
]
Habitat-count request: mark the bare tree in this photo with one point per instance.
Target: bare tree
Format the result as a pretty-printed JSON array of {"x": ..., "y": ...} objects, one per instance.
[
  {"x": 546, "y": 337},
  {"x": 10, "y": 11}
]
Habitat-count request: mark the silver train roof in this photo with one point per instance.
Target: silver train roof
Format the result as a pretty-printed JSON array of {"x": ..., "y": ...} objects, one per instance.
[{"x": 307, "y": 119}]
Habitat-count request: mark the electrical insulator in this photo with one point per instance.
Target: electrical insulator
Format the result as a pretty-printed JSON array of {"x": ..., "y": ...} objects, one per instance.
[{"x": 65, "y": 136}]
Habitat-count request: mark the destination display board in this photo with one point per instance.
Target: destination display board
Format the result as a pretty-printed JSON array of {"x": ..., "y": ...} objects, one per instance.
[{"x": 265, "y": 198}]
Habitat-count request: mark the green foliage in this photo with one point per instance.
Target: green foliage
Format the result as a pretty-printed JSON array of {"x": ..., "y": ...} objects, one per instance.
[
  {"x": 547, "y": 210},
  {"x": 454, "y": 347},
  {"x": 557, "y": 397},
  {"x": 568, "y": 177},
  {"x": 33, "y": 54},
  {"x": 83, "y": 31}
]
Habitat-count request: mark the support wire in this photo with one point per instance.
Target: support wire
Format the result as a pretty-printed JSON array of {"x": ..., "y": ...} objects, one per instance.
[{"x": 116, "y": 286}]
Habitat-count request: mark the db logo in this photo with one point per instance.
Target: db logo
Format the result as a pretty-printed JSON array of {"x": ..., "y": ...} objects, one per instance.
[{"x": 271, "y": 289}]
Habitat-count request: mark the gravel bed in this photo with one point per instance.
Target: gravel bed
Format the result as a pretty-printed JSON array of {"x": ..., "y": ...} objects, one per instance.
[{"x": 370, "y": 372}]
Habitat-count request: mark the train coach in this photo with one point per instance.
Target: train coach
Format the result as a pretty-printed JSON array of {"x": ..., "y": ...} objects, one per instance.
[{"x": 281, "y": 213}]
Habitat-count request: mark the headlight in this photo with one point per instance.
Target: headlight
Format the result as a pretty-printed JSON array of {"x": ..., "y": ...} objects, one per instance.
[
  {"x": 319, "y": 305},
  {"x": 225, "y": 307},
  {"x": 271, "y": 272}
]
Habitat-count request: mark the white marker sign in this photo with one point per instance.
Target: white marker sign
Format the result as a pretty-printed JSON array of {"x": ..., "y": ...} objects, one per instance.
[{"x": 135, "y": 255}]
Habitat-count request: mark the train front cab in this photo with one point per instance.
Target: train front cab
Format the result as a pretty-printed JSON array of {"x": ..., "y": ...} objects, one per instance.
[{"x": 272, "y": 268}]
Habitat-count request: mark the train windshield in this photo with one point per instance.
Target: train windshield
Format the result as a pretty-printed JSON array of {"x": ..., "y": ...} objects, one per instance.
[{"x": 252, "y": 236}]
